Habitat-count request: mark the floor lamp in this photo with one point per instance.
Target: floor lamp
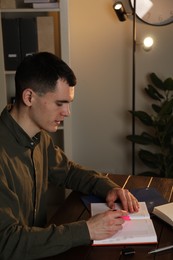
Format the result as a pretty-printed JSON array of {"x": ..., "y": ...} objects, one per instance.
[{"x": 122, "y": 14}]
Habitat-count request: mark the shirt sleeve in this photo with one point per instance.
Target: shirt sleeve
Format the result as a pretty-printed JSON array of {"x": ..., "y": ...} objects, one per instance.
[
  {"x": 19, "y": 241},
  {"x": 73, "y": 176}
]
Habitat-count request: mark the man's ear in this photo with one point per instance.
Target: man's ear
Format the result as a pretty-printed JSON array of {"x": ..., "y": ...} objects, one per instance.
[{"x": 27, "y": 97}]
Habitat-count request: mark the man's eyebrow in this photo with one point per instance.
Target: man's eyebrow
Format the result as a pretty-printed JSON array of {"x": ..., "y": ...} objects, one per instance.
[{"x": 64, "y": 101}]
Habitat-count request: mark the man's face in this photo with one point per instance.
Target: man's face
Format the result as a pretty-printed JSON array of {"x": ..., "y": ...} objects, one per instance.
[{"x": 49, "y": 110}]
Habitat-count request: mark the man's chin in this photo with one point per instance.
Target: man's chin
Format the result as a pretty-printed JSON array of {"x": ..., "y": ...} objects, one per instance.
[{"x": 52, "y": 130}]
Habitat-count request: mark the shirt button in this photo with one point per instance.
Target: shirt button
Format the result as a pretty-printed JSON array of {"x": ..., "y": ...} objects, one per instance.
[{"x": 32, "y": 143}]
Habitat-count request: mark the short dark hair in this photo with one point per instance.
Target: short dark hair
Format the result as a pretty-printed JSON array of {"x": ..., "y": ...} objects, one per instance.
[{"x": 40, "y": 72}]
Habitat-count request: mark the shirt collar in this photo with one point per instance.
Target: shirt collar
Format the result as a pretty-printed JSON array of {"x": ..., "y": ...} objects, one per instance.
[{"x": 19, "y": 134}]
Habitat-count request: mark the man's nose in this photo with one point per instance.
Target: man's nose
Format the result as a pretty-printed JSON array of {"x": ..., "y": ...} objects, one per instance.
[{"x": 66, "y": 110}]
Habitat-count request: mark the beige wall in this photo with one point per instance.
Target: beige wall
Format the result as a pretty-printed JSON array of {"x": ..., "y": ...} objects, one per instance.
[{"x": 100, "y": 54}]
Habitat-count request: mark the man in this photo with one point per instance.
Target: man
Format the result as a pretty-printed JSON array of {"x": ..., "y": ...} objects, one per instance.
[{"x": 28, "y": 159}]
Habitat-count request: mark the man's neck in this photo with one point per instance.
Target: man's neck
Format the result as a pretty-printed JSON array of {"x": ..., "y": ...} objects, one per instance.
[{"x": 20, "y": 115}]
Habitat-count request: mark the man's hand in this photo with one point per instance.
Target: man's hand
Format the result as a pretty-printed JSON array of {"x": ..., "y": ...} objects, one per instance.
[
  {"x": 129, "y": 202},
  {"x": 106, "y": 224}
]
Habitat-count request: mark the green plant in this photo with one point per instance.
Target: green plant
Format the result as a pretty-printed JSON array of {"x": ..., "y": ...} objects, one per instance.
[{"x": 159, "y": 138}]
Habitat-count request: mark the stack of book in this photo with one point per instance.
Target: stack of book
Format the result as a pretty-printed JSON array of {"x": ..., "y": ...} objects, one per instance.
[{"x": 43, "y": 3}]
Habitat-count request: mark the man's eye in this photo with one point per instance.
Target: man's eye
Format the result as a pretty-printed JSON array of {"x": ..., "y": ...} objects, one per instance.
[{"x": 59, "y": 104}]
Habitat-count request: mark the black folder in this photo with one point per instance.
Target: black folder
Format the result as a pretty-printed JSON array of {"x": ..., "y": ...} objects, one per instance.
[
  {"x": 11, "y": 43},
  {"x": 150, "y": 195},
  {"x": 28, "y": 36}
]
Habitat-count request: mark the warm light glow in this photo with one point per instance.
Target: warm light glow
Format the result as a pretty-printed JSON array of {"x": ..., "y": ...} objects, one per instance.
[
  {"x": 148, "y": 43},
  {"x": 118, "y": 6}
]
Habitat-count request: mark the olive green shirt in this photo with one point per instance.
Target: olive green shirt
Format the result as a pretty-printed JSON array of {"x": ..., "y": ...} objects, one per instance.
[{"x": 26, "y": 166}]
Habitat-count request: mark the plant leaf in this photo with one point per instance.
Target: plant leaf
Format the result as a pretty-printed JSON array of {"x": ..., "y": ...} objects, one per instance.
[
  {"x": 168, "y": 84},
  {"x": 140, "y": 139},
  {"x": 157, "y": 81},
  {"x": 153, "y": 93},
  {"x": 144, "y": 139},
  {"x": 167, "y": 108},
  {"x": 169, "y": 127},
  {"x": 143, "y": 117},
  {"x": 169, "y": 167},
  {"x": 150, "y": 159},
  {"x": 150, "y": 138},
  {"x": 156, "y": 108}
]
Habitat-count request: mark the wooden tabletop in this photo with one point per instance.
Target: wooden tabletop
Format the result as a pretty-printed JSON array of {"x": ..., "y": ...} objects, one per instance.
[{"x": 73, "y": 209}]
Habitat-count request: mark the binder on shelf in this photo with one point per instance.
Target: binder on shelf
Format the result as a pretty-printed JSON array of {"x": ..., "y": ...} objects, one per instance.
[
  {"x": 28, "y": 36},
  {"x": 11, "y": 43},
  {"x": 45, "y": 33}
]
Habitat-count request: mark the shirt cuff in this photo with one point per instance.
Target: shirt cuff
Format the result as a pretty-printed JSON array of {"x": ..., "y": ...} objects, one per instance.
[{"x": 79, "y": 233}]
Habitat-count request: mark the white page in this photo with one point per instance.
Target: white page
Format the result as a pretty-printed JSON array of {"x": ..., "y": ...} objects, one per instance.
[
  {"x": 100, "y": 207},
  {"x": 165, "y": 212},
  {"x": 139, "y": 229}
]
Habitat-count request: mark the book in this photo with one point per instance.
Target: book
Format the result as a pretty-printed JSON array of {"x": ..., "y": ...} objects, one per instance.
[
  {"x": 11, "y": 4},
  {"x": 45, "y": 31},
  {"x": 46, "y": 5},
  {"x": 39, "y": 1},
  {"x": 165, "y": 212},
  {"x": 137, "y": 229},
  {"x": 150, "y": 195},
  {"x": 8, "y": 4}
]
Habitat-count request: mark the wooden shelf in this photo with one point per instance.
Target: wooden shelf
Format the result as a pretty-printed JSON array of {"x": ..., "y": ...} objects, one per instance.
[{"x": 29, "y": 10}]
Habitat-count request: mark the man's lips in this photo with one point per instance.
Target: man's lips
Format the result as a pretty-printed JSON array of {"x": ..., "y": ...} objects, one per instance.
[{"x": 57, "y": 122}]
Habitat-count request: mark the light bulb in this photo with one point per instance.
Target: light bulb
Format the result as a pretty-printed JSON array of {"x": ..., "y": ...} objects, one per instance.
[
  {"x": 117, "y": 6},
  {"x": 148, "y": 43}
]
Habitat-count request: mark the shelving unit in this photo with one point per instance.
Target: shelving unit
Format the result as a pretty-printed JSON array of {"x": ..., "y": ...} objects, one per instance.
[{"x": 7, "y": 88}]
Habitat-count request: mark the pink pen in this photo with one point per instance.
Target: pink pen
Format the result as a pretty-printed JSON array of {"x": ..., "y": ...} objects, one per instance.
[{"x": 126, "y": 217}]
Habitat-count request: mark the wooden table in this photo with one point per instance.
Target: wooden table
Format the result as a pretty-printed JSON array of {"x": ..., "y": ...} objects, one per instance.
[{"x": 73, "y": 209}]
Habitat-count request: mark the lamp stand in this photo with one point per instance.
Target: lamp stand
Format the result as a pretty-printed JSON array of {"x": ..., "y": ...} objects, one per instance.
[{"x": 133, "y": 85}]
